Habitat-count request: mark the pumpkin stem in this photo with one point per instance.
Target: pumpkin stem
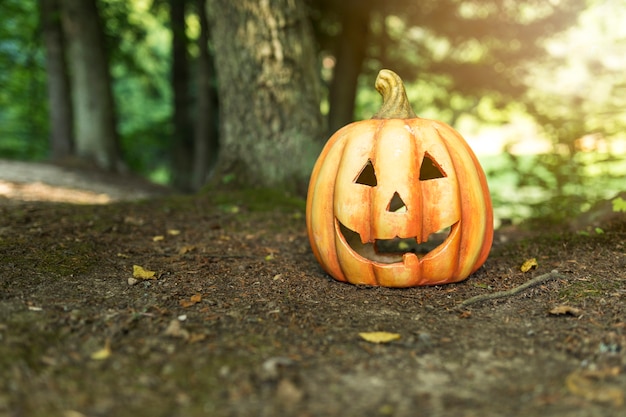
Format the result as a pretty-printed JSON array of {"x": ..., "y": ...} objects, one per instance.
[{"x": 395, "y": 102}]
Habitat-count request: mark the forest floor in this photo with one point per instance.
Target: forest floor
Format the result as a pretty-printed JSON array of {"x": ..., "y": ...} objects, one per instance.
[{"x": 239, "y": 319}]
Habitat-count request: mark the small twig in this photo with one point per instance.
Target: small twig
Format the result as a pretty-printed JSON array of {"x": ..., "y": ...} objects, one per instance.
[{"x": 513, "y": 291}]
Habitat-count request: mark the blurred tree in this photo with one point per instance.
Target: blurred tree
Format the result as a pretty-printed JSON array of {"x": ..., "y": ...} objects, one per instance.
[
  {"x": 23, "y": 105},
  {"x": 269, "y": 92},
  {"x": 205, "y": 135},
  {"x": 350, "y": 49},
  {"x": 138, "y": 39},
  {"x": 96, "y": 137},
  {"x": 182, "y": 138},
  {"x": 59, "y": 95}
]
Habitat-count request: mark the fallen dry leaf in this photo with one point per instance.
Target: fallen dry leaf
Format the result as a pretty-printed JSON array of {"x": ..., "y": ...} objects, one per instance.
[
  {"x": 140, "y": 272},
  {"x": 185, "y": 249},
  {"x": 103, "y": 353},
  {"x": 565, "y": 309},
  {"x": 133, "y": 220},
  {"x": 529, "y": 264},
  {"x": 379, "y": 337},
  {"x": 465, "y": 314},
  {"x": 195, "y": 299},
  {"x": 72, "y": 413},
  {"x": 196, "y": 337},
  {"x": 591, "y": 386}
]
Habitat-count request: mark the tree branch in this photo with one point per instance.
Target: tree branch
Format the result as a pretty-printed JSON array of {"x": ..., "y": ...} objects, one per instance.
[{"x": 511, "y": 292}]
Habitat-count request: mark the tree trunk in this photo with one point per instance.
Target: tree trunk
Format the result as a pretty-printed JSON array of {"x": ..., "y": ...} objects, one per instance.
[
  {"x": 94, "y": 108},
  {"x": 182, "y": 143},
  {"x": 59, "y": 99},
  {"x": 205, "y": 135},
  {"x": 271, "y": 129},
  {"x": 351, "y": 51}
]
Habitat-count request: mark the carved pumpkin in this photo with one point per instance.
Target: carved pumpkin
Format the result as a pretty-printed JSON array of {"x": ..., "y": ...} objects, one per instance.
[{"x": 382, "y": 187}]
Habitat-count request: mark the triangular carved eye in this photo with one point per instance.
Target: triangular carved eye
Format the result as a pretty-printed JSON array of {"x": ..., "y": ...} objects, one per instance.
[
  {"x": 430, "y": 170},
  {"x": 367, "y": 175}
]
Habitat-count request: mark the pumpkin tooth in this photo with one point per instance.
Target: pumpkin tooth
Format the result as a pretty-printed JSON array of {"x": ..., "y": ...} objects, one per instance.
[{"x": 407, "y": 257}]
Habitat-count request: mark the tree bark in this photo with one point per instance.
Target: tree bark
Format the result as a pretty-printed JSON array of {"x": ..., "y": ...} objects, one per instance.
[
  {"x": 271, "y": 128},
  {"x": 94, "y": 109},
  {"x": 205, "y": 135},
  {"x": 59, "y": 98},
  {"x": 182, "y": 143},
  {"x": 351, "y": 51}
]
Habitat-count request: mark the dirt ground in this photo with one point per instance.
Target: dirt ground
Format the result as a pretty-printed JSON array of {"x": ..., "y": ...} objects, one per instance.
[{"x": 239, "y": 319}]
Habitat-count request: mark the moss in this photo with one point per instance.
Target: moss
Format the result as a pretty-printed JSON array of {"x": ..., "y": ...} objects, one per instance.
[
  {"x": 255, "y": 199},
  {"x": 593, "y": 287},
  {"x": 59, "y": 258},
  {"x": 62, "y": 259},
  {"x": 25, "y": 338}
]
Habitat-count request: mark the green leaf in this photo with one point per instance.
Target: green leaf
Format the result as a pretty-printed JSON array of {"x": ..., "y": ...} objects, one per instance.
[{"x": 619, "y": 205}]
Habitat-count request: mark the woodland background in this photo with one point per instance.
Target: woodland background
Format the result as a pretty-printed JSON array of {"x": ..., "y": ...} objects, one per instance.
[{"x": 245, "y": 93}]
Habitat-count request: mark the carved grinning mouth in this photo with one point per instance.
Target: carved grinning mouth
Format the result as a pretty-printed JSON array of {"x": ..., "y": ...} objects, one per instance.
[{"x": 392, "y": 250}]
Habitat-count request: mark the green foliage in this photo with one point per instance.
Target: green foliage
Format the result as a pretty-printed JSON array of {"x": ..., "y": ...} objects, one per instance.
[
  {"x": 619, "y": 205},
  {"x": 576, "y": 95},
  {"x": 552, "y": 187},
  {"x": 23, "y": 105},
  {"x": 140, "y": 45},
  {"x": 146, "y": 150},
  {"x": 254, "y": 199}
]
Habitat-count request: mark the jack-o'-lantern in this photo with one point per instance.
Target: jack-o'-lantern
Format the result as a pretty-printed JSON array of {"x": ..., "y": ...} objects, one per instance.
[{"x": 384, "y": 190}]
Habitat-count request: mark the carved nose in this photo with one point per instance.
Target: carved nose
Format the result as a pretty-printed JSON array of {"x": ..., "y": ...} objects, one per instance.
[{"x": 396, "y": 204}]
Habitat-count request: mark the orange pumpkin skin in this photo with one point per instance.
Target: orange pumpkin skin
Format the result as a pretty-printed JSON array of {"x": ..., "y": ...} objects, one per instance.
[{"x": 338, "y": 203}]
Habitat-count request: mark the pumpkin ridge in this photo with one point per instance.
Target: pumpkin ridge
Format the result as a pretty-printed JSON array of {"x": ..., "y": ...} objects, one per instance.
[
  {"x": 456, "y": 141},
  {"x": 373, "y": 230}
]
